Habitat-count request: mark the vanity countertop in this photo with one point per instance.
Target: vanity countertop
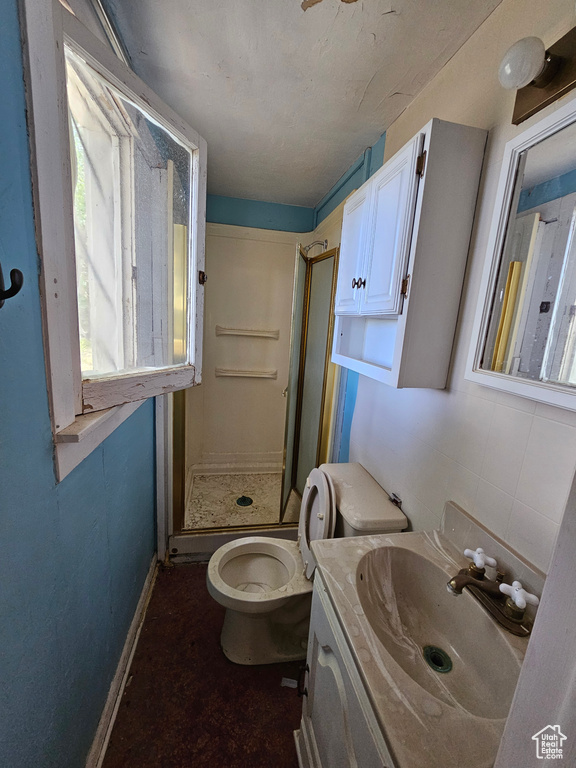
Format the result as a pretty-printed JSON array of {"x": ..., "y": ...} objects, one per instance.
[{"x": 421, "y": 728}]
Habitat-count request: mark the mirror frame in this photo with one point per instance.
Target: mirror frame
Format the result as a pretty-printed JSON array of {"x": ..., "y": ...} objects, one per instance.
[{"x": 545, "y": 392}]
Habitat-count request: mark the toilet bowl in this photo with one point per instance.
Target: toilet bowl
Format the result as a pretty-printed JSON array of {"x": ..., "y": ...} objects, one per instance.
[{"x": 265, "y": 583}]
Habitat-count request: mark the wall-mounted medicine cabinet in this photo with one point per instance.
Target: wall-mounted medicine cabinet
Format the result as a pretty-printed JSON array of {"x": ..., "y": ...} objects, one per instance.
[
  {"x": 405, "y": 239},
  {"x": 524, "y": 336}
]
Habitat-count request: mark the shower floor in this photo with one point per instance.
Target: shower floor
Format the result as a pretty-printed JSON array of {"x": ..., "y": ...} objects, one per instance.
[{"x": 211, "y": 500}]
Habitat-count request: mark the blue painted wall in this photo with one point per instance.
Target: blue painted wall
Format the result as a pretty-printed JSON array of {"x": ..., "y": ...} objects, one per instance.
[
  {"x": 74, "y": 555},
  {"x": 239, "y": 211},
  {"x": 549, "y": 190},
  {"x": 359, "y": 172},
  {"x": 349, "y": 382}
]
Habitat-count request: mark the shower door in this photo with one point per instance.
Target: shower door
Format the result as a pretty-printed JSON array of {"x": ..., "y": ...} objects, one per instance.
[
  {"x": 291, "y": 390},
  {"x": 312, "y": 375}
]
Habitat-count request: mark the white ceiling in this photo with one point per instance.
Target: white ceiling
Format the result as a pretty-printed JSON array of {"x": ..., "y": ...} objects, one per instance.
[
  {"x": 287, "y": 99},
  {"x": 550, "y": 158}
]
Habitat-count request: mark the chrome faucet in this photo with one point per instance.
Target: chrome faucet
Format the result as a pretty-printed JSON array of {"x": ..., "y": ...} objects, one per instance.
[{"x": 509, "y": 613}]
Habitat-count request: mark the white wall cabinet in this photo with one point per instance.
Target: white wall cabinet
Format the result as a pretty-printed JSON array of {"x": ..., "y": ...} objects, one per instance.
[
  {"x": 338, "y": 728},
  {"x": 376, "y": 232},
  {"x": 405, "y": 239},
  {"x": 352, "y": 248}
]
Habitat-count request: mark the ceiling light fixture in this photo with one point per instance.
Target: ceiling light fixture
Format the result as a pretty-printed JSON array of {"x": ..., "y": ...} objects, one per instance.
[
  {"x": 527, "y": 62},
  {"x": 538, "y": 75}
]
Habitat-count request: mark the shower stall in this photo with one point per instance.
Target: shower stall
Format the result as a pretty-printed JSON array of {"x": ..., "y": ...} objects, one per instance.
[{"x": 245, "y": 440}]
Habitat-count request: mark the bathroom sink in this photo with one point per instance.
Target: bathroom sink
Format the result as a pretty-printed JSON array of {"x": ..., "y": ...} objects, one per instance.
[
  {"x": 448, "y": 645},
  {"x": 390, "y": 598}
]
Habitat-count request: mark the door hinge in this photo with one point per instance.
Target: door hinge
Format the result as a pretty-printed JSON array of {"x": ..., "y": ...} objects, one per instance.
[
  {"x": 404, "y": 289},
  {"x": 202, "y": 277},
  {"x": 421, "y": 164}
]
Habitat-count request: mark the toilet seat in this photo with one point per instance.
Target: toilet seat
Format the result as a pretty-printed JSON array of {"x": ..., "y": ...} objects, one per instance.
[
  {"x": 249, "y": 592},
  {"x": 317, "y": 516},
  {"x": 265, "y": 583},
  {"x": 232, "y": 592}
]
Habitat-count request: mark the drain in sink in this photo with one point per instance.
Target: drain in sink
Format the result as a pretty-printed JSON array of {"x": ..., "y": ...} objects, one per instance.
[{"x": 437, "y": 659}]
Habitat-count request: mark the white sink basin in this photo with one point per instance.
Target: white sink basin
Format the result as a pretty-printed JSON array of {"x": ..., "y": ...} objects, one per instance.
[
  {"x": 390, "y": 595},
  {"x": 404, "y": 598}
]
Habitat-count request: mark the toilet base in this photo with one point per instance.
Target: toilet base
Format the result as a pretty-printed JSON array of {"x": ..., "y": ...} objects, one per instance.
[{"x": 267, "y": 638}]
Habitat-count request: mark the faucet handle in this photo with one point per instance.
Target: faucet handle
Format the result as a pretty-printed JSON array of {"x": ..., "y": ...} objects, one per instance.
[
  {"x": 518, "y": 595},
  {"x": 480, "y": 559}
]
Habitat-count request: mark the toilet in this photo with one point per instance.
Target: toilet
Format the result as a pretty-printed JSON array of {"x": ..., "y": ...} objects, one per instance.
[{"x": 265, "y": 583}]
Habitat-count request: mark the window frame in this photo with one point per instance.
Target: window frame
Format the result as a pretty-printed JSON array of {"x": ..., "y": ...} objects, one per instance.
[{"x": 104, "y": 403}]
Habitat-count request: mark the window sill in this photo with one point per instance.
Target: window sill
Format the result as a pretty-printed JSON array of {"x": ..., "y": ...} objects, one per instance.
[{"x": 74, "y": 443}]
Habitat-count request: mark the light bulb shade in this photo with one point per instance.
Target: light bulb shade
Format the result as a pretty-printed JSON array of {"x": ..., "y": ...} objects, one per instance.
[{"x": 523, "y": 62}]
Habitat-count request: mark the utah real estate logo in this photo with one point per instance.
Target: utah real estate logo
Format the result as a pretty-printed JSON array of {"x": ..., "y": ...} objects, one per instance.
[{"x": 549, "y": 743}]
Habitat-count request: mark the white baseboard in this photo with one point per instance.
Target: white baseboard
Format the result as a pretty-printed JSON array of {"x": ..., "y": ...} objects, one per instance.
[{"x": 99, "y": 745}]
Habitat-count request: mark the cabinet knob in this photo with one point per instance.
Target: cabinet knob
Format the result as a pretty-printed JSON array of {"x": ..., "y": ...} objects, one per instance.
[
  {"x": 361, "y": 283},
  {"x": 353, "y": 282}
]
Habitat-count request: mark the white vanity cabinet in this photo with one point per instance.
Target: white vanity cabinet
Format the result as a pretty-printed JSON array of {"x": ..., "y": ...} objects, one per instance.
[
  {"x": 338, "y": 727},
  {"x": 405, "y": 239}
]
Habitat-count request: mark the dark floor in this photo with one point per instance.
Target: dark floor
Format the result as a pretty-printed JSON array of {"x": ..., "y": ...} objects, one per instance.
[{"x": 186, "y": 705}]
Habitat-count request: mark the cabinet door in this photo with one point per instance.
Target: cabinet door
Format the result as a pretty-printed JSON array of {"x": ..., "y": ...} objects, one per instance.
[
  {"x": 340, "y": 728},
  {"x": 352, "y": 248},
  {"x": 393, "y": 203}
]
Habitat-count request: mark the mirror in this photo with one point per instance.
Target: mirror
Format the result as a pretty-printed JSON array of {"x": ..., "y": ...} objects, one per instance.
[{"x": 527, "y": 325}]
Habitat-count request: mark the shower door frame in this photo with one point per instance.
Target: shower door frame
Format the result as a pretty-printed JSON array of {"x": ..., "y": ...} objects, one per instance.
[{"x": 324, "y": 424}]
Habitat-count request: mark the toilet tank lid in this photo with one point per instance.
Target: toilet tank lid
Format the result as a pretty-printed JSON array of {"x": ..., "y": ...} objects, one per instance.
[{"x": 363, "y": 503}]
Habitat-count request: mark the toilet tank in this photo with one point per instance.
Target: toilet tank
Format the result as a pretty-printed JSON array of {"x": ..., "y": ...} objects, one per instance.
[{"x": 363, "y": 506}]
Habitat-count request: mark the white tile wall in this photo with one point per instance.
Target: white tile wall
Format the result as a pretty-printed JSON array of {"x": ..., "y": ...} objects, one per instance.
[
  {"x": 510, "y": 469},
  {"x": 492, "y": 507},
  {"x": 462, "y": 486},
  {"x": 506, "y": 460},
  {"x": 473, "y": 417},
  {"x": 550, "y": 459},
  {"x": 530, "y": 533},
  {"x": 506, "y": 447}
]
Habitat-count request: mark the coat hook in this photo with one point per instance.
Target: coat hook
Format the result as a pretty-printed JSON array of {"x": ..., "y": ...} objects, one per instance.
[{"x": 16, "y": 282}]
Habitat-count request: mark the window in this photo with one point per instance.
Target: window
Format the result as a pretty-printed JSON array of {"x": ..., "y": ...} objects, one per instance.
[{"x": 119, "y": 205}]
